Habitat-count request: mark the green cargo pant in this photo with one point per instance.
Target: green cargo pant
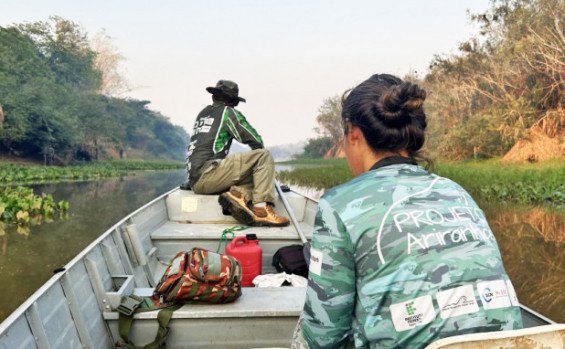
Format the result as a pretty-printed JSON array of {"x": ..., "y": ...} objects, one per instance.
[{"x": 251, "y": 173}]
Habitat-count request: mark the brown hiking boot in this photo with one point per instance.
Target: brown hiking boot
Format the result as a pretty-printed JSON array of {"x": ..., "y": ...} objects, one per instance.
[
  {"x": 234, "y": 202},
  {"x": 264, "y": 216}
]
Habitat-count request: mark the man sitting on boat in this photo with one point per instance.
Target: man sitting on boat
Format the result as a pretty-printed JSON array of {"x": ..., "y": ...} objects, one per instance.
[{"x": 249, "y": 177}]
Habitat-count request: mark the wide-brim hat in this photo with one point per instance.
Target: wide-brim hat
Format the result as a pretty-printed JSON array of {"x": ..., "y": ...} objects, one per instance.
[{"x": 226, "y": 88}]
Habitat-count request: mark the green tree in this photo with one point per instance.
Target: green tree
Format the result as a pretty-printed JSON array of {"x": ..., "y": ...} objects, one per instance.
[
  {"x": 54, "y": 108},
  {"x": 31, "y": 97},
  {"x": 316, "y": 148},
  {"x": 67, "y": 51}
]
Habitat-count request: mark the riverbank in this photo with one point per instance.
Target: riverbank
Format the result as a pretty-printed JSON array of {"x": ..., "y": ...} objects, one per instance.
[{"x": 490, "y": 180}]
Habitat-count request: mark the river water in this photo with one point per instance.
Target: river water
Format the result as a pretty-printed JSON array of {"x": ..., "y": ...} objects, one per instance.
[
  {"x": 28, "y": 258},
  {"x": 531, "y": 240}
]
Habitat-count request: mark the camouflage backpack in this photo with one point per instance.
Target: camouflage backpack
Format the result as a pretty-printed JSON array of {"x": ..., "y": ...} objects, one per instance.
[
  {"x": 200, "y": 275},
  {"x": 197, "y": 275}
]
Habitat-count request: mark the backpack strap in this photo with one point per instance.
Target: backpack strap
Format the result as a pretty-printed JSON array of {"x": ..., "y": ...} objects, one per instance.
[{"x": 125, "y": 321}]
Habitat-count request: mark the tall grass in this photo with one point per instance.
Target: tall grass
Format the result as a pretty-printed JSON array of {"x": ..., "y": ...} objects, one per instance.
[{"x": 490, "y": 180}]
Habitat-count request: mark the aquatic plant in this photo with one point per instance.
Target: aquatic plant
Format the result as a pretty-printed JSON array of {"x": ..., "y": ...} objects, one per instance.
[
  {"x": 21, "y": 206},
  {"x": 485, "y": 180},
  {"x": 16, "y": 174},
  {"x": 317, "y": 173},
  {"x": 519, "y": 183}
]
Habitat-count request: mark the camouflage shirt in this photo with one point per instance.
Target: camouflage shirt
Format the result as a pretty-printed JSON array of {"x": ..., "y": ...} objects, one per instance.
[
  {"x": 400, "y": 258},
  {"x": 214, "y": 130}
]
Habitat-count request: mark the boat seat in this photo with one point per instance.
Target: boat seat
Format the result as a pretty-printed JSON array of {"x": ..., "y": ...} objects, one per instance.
[
  {"x": 188, "y": 207},
  {"x": 547, "y": 336},
  {"x": 263, "y": 313},
  {"x": 173, "y": 237}
]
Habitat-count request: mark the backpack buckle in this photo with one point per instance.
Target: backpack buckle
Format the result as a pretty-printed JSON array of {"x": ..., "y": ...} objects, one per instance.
[{"x": 129, "y": 304}]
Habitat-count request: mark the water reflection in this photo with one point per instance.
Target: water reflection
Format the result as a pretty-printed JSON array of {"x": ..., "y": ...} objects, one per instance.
[
  {"x": 532, "y": 244},
  {"x": 27, "y": 258}
]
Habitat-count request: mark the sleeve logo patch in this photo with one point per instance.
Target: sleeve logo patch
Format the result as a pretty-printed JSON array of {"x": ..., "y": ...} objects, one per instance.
[
  {"x": 494, "y": 294},
  {"x": 457, "y": 301},
  {"x": 412, "y": 313},
  {"x": 316, "y": 257}
]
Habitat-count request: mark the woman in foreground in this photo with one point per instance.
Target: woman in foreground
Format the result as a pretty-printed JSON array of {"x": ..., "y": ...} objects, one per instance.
[{"x": 400, "y": 257}]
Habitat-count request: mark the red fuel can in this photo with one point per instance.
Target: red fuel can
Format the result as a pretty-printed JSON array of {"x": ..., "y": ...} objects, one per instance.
[{"x": 247, "y": 251}]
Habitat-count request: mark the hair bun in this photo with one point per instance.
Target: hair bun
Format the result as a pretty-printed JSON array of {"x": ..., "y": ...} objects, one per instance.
[{"x": 399, "y": 104}]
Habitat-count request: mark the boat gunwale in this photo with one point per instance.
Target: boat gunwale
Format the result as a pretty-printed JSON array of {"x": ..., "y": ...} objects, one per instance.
[
  {"x": 535, "y": 313},
  {"x": 20, "y": 311}
]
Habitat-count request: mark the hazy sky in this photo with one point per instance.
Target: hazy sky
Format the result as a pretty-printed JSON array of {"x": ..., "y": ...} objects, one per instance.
[{"x": 286, "y": 55}]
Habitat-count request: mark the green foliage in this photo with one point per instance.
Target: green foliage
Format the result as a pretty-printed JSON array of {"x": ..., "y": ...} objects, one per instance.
[
  {"x": 66, "y": 49},
  {"x": 476, "y": 137},
  {"x": 52, "y": 110},
  {"x": 486, "y": 181},
  {"x": 316, "y": 148},
  {"x": 20, "y": 205},
  {"x": 10, "y": 173}
]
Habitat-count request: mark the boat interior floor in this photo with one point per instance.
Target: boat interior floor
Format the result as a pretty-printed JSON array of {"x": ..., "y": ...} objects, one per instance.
[{"x": 185, "y": 220}]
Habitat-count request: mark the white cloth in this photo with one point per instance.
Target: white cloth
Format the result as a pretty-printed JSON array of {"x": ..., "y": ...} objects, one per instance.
[{"x": 276, "y": 280}]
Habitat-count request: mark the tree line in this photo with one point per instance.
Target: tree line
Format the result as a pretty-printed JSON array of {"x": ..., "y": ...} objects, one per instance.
[
  {"x": 56, "y": 93},
  {"x": 501, "y": 83}
]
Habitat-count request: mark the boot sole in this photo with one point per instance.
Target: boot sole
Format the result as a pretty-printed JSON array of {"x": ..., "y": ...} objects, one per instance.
[
  {"x": 239, "y": 213},
  {"x": 269, "y": 224}
]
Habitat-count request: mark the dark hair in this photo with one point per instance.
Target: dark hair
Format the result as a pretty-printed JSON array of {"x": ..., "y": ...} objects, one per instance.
[
  {"x": 227, "y": 100},
  {"x": 390, "y": 114}
]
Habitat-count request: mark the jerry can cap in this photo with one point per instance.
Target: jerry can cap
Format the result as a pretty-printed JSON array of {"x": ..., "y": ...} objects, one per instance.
[{"x": 251, "y": 236}]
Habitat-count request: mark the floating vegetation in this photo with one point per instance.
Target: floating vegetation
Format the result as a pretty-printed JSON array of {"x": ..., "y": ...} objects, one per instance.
[
  {"x": 316, "y": 173},
  {"x": 18, "y": 174},
  {"x": 22, "y": 207},
  {"x": 144, "y": 165},
  {"x": 540, "y": 184}
]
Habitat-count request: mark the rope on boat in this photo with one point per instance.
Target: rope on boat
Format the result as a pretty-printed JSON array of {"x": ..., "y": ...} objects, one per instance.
[{"x": 224, "y": 236}]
